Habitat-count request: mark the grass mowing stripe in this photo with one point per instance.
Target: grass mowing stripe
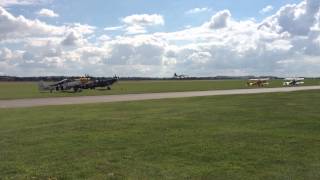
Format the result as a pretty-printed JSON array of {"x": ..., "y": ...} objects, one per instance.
[{"x": 265, "y": 136}]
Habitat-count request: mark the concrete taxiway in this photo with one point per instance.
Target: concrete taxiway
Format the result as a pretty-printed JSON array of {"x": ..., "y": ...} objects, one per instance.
[{"x": 18, "y": 103}]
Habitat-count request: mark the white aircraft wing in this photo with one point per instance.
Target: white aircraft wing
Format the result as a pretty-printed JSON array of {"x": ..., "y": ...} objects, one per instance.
[
  {"x": 261, "y": 79},
  {"x": 294, "y": 79}
]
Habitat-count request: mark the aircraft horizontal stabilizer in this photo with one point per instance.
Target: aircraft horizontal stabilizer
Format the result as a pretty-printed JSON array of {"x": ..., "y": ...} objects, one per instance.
[{"x": 42, "y": 86}]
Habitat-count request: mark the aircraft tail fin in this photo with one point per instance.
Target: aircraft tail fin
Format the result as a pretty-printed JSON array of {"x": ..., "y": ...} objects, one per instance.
[{"x": 42, "y": 86}]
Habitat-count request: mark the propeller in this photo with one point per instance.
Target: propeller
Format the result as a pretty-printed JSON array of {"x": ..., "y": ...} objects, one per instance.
[{"x": 116, "y": 77}]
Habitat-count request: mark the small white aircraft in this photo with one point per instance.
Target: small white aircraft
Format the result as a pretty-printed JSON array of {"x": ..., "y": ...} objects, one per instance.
[
  {"x": 258, "y": 82},
  {"x": 293, "y": 81}
]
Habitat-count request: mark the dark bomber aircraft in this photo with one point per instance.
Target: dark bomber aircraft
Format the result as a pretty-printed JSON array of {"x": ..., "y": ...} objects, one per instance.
[{"x": 77, "y": 84}]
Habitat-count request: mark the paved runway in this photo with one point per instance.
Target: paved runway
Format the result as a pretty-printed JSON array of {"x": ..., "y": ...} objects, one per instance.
[{"x": 138, "y": 97}]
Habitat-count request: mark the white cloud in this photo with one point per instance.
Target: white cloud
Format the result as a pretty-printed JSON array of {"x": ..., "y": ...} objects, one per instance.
[
  {"x": 5, "y": 54},
  {"x": 5, "y": 3},
  {"x": 220, "y": 19},
  {"x": 144, "y": 19},
  {"x": 296, "y": 19},
  {"x": 114, "y": 28},
  {"x": 84, "y": 29},
  {"x": 286, "y": 43},
  {"x": 13, "y": 27},
  {"x": 104, "y": 38},
  {"x": 137, "y": 23},
  {"x": 198, "y": 10},
  {"x": 72, "y": 39},
  {"x": 266, "y": 9},
  {"x": 76, "y": 34},
  {"x": 135, "y": 29},
  {"x": 139, "y": 50},
  {"x": 47, "y": 13}
]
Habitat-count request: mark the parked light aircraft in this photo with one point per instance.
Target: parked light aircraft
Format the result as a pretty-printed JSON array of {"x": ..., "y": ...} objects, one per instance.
[
  {"x": 293, "y": 81},
  {"x": 77, "y": 85},
  {"x": 63, "y": 85},
  {"x": 101, "y": 82},
  {"x": 258, "y": 82}
]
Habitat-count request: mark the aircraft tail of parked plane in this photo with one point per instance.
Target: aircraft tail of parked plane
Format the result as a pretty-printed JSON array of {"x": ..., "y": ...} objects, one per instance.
[{"x": 42, "y": 86}]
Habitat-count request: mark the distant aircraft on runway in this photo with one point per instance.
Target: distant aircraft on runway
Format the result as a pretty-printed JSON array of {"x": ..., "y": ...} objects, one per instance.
[
  {"x": 258, "y": 82},
  {"x": 77, "y": 85},
  {"x": 293, "y": 81},
  {"x": 182, "y": 76}
]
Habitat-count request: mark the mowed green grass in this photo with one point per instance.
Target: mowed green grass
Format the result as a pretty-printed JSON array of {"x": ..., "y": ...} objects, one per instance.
[
  {"x": 17, "y": 90},
  {"x": 265, "y": 136}
]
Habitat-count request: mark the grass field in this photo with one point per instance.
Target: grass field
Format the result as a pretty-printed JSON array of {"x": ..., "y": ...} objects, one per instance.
[
  {"x": 16, "y": 90},
  {"x": 265, "y": 136}
]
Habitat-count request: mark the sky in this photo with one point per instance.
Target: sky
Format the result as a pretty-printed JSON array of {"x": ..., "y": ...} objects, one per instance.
[{"x": 160, "y": 38}]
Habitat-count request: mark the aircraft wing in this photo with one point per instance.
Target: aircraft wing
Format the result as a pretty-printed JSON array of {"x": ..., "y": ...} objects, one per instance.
[
  {"x": 59, "y": 82},
  {"x": 104, "y": 82},
  {"x": 261, "y": 79},
  {"x": 294, "y": 79}
]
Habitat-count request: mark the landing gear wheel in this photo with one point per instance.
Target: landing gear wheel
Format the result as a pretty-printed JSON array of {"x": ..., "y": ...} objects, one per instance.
[{"x": 75, "y": 90}]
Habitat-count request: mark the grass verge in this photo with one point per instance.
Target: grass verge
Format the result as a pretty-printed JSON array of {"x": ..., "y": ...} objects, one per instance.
[
  {"x": 18, "y": 90},
  {"x": 265, "y": 136}
]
